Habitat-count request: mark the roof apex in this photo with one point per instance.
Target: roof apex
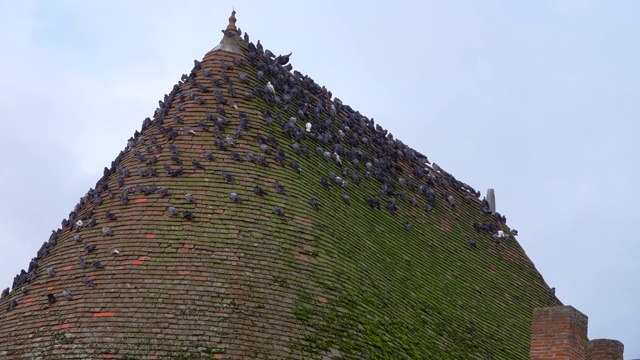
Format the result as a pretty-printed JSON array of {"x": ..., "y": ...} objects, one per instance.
[{"x": 231, "y": 37}]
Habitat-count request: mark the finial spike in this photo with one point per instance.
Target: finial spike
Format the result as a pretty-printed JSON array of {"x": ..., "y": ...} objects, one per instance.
[{"x": 232, "y": 23}]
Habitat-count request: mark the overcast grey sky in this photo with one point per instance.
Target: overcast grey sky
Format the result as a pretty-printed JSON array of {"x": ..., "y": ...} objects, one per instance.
[{"x": 537, "y": 99}]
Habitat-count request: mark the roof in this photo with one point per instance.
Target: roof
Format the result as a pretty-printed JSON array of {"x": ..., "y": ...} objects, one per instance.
[{"x": 205, "y": 267}]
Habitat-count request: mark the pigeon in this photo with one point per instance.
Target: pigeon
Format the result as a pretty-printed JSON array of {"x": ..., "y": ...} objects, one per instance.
[
  {"x": 229, "y": 140},
  {"x": 407, "y": 225},
  {"x": 173, "y": 211},
  {"x": 79, "y": 224},
  {"x": 314, "y": 203},
  {"x": 111, "y": 216},
  {"x": 197, "y": 164},
  {"x": 66, "y": 293},
  {"x": 97, "y": 264},
  {"x": 451, "y": 200},
  {"x": 89, "y": 248},
  {"x": 88, "y": 282},
  {"x": 189, "y": 197},
  {"x": 176, "y": 159},
  {"x": 234, "y": 196},
  {"x": 280, "y": 187},
  {"x": 92, "y": 222},
  {"x": 4, "y": 294},
  {"x": 514, "y": 232},
  {"x": 12, "y": 304},
  {"x": 552, "y": 293},
  {"x": 107, "y": 231},
  {"x": 278, "y": 210},
  {"x": 324, "y": 182},
  {"x": 209, "y": 155},
  {"x": 188, "y": 216},
  {"x": 294, "y": 164},
  {"x": 77, "y": 237},
  {"x": 270, "y": 88},
  {"x": 51, "y": 272},
  {"x": 346, "y": 198},
  {"x": 82, "y": 260},
  {"x": 25, "y": 289},
  {"x": 228, "y": 177},
  {"x": 472, "y": 242},
  {"x": 51, "y": 298},
  {"x": 259, "y": 191},
  {"x": 113, "y": 250}
]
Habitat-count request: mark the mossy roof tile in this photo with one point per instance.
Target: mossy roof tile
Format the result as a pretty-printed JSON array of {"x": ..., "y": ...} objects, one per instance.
[{"x": 239, "y": 281}]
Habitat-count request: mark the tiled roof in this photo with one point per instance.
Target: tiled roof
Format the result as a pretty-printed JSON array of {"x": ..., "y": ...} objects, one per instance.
[{"x": 314, "y": 268}]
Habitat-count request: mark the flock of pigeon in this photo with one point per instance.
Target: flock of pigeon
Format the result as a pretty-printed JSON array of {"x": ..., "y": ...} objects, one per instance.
[{"x": 292, "y": 103}]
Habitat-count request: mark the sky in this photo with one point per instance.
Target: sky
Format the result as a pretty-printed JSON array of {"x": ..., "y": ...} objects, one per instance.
[{"x": 537, "y": 100}]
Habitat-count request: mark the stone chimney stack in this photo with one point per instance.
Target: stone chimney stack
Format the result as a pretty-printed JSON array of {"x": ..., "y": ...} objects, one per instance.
[
  {"x": 558, "y": 333},
  {"x": 605, "y": 349}
]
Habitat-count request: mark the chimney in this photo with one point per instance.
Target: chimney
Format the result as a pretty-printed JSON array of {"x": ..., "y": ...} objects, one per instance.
[
  {"x": 605, "y": 349},
  {"x": 491, "y": 199},
  {"x": 558, "y": 333}
]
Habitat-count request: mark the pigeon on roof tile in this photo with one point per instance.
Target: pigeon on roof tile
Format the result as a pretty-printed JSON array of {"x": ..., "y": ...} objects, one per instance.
[
  {"x": 51, "y": 298},
  {"x": 111, "y": 216},
  {"x": 88, "y": 282},
  {"x": 67, "y": 294},
  {"x": 82, "y": 260},
  {"x": 197, "y": 164},
  {"x": 189, "y": 197},
  {"x": 234, "y": 196},
  {"x": 188, "y": 216},
  {"x": 472, "y": 242},
  {"x": 113, "y": 251},
  {"x": 314, "y": 203},
  {"x": 259, "y": 191},
  {"x": 4, "y": 294},
  {"x": 97, "y": 264},
  {"x": 106, "y": 231},
  {"x": 89, "y": 248},
  {"x": 12, "y": 304},
  {"x": 408, "y": 225},
  {"x": 278, "y": 210},
  {"x": 346, "y": 198},
  {"x": 270, "y": 88},
  {"x": 552, "y": 293},
  {"x": 50, "y": 271},
  {"x": 280, "y": 187},
  {"x": 172, "y": 211}
]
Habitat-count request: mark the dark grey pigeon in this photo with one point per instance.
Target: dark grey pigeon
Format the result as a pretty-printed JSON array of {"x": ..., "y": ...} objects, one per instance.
[
  {"x": 82, "y": 260},
  {"x": 97, "y": 264},
  {"x": 552, "y": 293},
  {"x": 228, "y": 177},
  {"x": 234, "y": 196},
  {"x": 278, "y": 210},
  {"x": 197, "y": 164},
  {"x": 12, "y": 304},
  {"x": 407, "y": 225},
  {"x": 346, "y": 198},
  {"x": 77, "y": 237},
  {"x": 189, "y": 197},
  {"x": 51, "y": 298},
  {"x": 88, "y": 282},
  {"x": 314, "y": 203},
  {"x": 51, "y": 272},
  {"x": 472, "y": 242},
  {"x": 259, "y": 191}
]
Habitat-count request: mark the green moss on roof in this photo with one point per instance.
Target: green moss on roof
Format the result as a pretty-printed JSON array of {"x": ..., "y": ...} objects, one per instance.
[{"x": 239, "y": 281}]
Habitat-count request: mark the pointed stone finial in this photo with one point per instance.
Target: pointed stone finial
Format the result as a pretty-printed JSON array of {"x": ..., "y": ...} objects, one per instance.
[
  {"x": 232, "y": 23},
  {"x": 231, "y": 38}
]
